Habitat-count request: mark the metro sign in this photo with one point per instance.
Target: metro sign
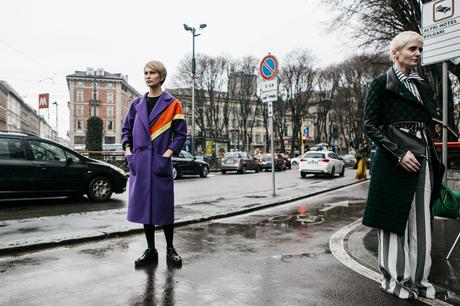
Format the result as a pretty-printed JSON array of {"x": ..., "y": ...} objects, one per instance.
[{"x": 43, "y": 100}]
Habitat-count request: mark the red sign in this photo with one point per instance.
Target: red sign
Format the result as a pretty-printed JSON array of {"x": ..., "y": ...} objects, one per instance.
[
  {"x": 268, "y": 67},
  {"x": 43, "y": 100}
]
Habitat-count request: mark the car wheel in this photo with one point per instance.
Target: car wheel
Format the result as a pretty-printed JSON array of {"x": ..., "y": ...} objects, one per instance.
[
  {"x": 223, "y": 171},
  {"x": 243, "y": 169},
  {"x": 343, "y": 171},
  {"x": 100, "y": 189},
  {"x": 332, "y": 172},
  {"x": 303, "y": 174},
  {"x": 174, "y": 173},
  {"x": 204, "y": 171}
]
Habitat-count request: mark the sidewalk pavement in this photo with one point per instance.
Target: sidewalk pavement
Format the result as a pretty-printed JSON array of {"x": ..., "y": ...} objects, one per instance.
[
  {"x": 44, "y": 232},
  {"x": 361, "y": 245}
]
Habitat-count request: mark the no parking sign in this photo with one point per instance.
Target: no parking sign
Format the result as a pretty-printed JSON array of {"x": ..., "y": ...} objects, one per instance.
[{"x": 268, "y": 67}]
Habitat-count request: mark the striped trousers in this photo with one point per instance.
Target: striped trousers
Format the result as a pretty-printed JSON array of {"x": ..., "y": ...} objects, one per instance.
[{"x": 405, "y": 261}]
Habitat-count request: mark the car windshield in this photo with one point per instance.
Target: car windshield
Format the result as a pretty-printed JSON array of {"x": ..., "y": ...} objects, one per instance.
[
  {"x": 314, "y": 155},
  {"x": 230, "y": 155},
  {"x": 267, "y": 157}
]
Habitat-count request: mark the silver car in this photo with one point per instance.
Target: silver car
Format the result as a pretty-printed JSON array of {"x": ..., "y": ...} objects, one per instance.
[{"x": 240, "y": 162}]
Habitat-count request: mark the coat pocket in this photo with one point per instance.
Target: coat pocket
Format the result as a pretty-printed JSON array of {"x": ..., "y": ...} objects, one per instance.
[
  {"x": 162, "y": 166},
  {"x": 131, "y": 160}
]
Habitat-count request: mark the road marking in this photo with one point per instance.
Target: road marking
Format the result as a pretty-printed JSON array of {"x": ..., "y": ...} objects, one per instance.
[{"x": 337, "y": 246}]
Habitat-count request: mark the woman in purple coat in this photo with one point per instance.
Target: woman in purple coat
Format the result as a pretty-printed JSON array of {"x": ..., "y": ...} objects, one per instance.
[{"x": 153, "y": 131}]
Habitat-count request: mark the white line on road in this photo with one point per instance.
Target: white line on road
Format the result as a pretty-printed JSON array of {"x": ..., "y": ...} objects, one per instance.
[{"x": 337, "y": 245}]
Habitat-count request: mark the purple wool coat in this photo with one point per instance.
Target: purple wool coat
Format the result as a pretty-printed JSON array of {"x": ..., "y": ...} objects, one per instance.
[{"x": 151, "y": 187}]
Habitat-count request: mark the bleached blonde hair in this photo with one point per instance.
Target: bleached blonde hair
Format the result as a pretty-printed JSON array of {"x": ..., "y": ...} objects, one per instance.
[
  {"x": 402, "y": 39},
  {"x": 158, "y": 67}
]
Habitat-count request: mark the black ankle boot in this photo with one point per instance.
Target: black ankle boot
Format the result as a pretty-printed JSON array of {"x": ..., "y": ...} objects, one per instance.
[
  {"x": 150, "y": 256},
  {"x": 172, "y": 257}
]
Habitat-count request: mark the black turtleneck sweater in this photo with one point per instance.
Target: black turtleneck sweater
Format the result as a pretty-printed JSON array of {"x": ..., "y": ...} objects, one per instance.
[{"x": 151, "y": 101}]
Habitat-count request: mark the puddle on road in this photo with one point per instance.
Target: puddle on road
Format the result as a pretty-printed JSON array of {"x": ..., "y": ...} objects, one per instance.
[
  {"x": 304, "y": 215},
  {"x": 23, "y": 262}
]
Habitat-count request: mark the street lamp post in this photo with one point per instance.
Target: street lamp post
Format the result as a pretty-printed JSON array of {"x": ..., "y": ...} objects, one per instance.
[
  {"x": 194, "y": 34},
  {"x": 56, "y": 104}
]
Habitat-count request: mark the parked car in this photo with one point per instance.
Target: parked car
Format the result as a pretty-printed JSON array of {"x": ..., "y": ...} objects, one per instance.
[
  {"x": 240, "y": 162},
  {"x": 349, "y": 160},
  {"x": 295, "y": 161},
  {"x": 321, "y": 162},
  {"x": 265, "y": 162},
  {"x": 287, "y": 160},
  {"x": 31, "y": 166},
  {"x": 187, "y": 164}
]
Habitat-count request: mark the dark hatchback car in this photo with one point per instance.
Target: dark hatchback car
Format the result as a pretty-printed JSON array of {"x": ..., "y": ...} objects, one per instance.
[
  {"x": 187, "y": 164},
  {"x": 265, "y": 162},
  {"x": 31, "y": 166}
]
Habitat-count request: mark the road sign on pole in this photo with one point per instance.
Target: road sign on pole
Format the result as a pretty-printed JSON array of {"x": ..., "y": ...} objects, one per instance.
[
  {"x": 268, "y": 88},
  {"x": 440, "y": 31},
  {"x": 268, "y": 67}
]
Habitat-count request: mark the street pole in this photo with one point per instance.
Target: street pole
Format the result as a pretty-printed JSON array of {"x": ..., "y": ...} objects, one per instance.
[
  {"x": 55, "y": 103},
  {"x": 193, "y": 91},
  {"x": 444, "y": 117},
  {"x": 194, "y": 34},
  {"x": 273, "y": 156}
]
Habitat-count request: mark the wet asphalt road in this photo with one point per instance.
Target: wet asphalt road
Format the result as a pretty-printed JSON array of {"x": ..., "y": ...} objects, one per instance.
[
  {"x": 277, "y": 256},
  {"x": 187, "y": 189}
]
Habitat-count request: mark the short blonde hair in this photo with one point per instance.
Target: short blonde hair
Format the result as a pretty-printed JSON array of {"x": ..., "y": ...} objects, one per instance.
[
  {"x": 403, "y": 38},
  {"x": 158, "y": 66}
]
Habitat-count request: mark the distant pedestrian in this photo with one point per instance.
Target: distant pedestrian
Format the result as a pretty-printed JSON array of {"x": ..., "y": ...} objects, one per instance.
[
  {"x": 361, "y": 156},
  {"x": 406, "y": 171},
  {"x": 153, "y": 131}
]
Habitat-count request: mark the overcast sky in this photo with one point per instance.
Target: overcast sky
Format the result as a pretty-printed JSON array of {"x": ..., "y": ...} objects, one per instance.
[{"x": 43, "y": 41}]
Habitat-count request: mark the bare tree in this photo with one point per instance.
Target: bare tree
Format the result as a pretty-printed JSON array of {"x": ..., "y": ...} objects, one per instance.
[
  {"x": 297, "y": 79},
  {"x": 353, "y": 78},
  {"x": 373, "y": 23},
  {"x": 243, "y": 86}
]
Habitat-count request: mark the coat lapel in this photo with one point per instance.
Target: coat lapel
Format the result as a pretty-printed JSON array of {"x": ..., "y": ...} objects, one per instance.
[
  {"x": 394, "y": 85},
  {"x": 141, "y": 109},
  {"x": 163, "y": 102}
]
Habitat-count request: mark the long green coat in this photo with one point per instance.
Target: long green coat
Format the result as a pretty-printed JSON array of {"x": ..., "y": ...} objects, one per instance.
[{"x": 391, "y": 189}]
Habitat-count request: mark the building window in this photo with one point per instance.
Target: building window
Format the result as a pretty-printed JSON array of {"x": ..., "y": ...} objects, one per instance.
[
  {"x": 79, "y": 84},
  {"x": 110, "y": 125},
  {"x": 80, "y": 140},
  {"x": 79, "y": 125},
  {"x": 109, "y": 139},
  {"x": 109, "y": 111},
  {"x": 110, "y": 97},
  {"x": 80, "y": 109},
  {"x": 109, "y": 85},
  {"x": 258, "y": 138},
  {"x": 79, "y": 96}
]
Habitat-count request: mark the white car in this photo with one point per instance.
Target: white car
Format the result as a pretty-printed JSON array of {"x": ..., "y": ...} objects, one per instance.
[{"x": 321, "y": 162}]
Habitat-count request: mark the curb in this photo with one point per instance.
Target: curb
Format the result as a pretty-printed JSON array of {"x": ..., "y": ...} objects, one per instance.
[
  {"x": 338, "y": 243},
  {"x": 179, "y": 223}
]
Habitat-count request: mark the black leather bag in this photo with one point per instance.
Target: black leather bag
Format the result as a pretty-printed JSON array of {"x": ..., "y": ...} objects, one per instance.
[{"x": 407, "y": 141}]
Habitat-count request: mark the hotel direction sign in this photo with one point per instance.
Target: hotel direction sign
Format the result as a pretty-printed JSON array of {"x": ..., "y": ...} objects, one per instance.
[{"x": 440, "y": 31}]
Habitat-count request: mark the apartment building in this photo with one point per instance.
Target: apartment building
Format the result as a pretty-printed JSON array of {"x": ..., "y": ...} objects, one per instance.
[{"x": 96, "y": 92}]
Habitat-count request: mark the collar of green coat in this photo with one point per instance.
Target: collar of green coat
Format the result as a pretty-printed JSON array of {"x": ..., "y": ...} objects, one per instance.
[{"x": 394, "y": 85}]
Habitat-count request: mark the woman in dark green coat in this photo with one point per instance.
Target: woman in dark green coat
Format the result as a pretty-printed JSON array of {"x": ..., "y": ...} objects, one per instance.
[{"x": 404, "y": 179}]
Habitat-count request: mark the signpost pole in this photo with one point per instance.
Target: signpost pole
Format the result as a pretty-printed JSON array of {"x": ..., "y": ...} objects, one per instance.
[
  {"x": 444, "y": 117},
  {"x": 272, "y": 148},
  {"x": 268, "y": 70}
]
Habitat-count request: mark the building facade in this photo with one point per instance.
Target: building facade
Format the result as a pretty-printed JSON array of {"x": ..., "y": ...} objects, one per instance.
[
  {"x": 16, "y": 115},
  {"x": 113, "y": 95}
]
